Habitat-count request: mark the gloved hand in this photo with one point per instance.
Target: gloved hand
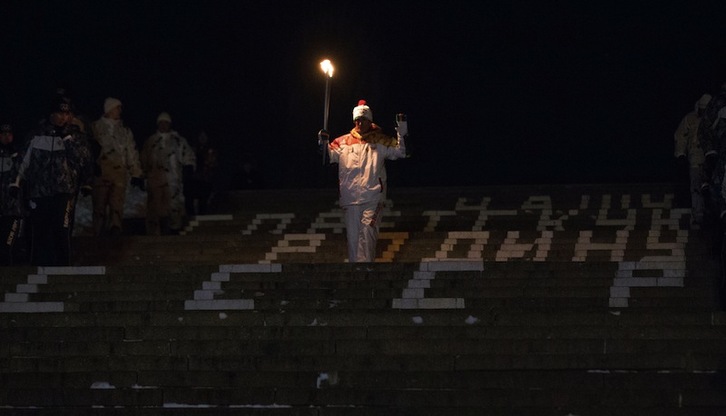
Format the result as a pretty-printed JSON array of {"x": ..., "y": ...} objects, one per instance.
[
  {"x": 13, "y": 191},
  {"x": 85, "y": 191},
  {"x": 323, "y": 137},
  {"x": 139, "y": 183},
  {"x": 402, "y": 128}
]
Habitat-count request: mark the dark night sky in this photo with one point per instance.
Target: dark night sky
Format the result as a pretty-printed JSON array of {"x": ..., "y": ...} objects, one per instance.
[{"x": 496, "y": 92}]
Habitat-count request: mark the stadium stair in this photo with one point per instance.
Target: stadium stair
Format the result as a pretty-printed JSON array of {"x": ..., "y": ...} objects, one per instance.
[{"x": 579, "y": 300}]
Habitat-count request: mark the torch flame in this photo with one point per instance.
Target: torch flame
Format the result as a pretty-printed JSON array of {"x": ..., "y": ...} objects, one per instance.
[{"x": 327, "y": 67}]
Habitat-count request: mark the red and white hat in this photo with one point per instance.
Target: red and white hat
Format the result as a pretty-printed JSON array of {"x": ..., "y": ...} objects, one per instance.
[{"x": 362, "y": 110}]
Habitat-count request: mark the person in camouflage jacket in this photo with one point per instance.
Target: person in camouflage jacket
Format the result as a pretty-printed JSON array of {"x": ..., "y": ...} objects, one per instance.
[
  {"x": 689, "y": 154},
  {"x": 56, "y": 163},
  {"x": 168, "y": 161},
  {"x": 712, "y": 137},
  {"x": 118, "y": 163}
]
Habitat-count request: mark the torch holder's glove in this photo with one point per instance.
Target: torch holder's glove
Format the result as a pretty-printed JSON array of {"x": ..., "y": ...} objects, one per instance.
[
  {"x": 323, "y": 141},
  {"x": 323, "y": 137},
  {"x": 402, "y": 128}
]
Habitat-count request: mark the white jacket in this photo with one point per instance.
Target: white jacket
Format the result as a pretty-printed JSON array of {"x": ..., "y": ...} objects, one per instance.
[
  {"x": 686, "y": 139},
  {"x": 164, "y": 156},
  {"x": 361, "y": 164},
  {"x": 119, "y": 157}
]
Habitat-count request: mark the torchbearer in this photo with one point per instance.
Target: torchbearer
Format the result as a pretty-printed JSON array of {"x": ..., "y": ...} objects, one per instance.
[
  {"x": 323, "y": 135},
  {"x": 361, "y": 156}
]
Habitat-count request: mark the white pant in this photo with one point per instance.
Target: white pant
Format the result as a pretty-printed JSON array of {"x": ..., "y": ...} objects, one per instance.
[{"x": 361, "y": 224}]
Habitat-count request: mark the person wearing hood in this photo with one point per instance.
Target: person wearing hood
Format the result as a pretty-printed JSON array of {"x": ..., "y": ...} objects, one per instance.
[
  {"x": 118, "y": 162},
  {"x": 167, "y": 160},
  {"x": 361, "y": 156},
  {"x": 11, "y": 213},
  {"x": 689, "y": 153},
  {"x": 56, "y": 163},
  {"x": 199, "y": 190}
]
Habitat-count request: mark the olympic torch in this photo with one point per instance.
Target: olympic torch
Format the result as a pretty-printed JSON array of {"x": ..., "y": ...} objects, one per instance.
[{"x": 323, "y": 135}]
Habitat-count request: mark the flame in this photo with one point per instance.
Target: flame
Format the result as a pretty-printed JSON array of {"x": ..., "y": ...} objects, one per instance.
[{"x": 327, "y": 67}]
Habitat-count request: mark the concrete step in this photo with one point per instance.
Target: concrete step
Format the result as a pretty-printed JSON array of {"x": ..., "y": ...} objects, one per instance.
[
  {"x": 118, "y": 332},
  {"x": 225, "y": 360},
  {"x": 401, "y": 245},
  {"x": 557, "y": 300},
  {"x": 464, "y": 317},
  {"x": 645, "y": 399},
  {"x": 703, "y": 352},
  {"x": 301, "y": 286},
  {"x": 276, "y": 410}
]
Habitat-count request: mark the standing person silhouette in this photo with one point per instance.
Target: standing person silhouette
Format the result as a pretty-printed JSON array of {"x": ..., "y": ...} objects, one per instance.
[
  {"x": 688, "y": 152},
  {"x": 167, "y": 159},
  {"x": 361, "y": 156},
  {"x": 118, "y": 163},
  {"x": 56, "y": 163}
]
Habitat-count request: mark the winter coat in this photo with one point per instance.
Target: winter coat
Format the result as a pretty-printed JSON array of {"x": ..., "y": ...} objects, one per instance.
[
  {"x": 712, "y": 137},
  {"x": 361, "y": 164},
  {"x": 712, "y": 128},
  {"x": 118, "y": 159},
  {"x": 55, "y": 160},
  {"x": 686, "y": 139},
  {"x": 164, "y": 156}
]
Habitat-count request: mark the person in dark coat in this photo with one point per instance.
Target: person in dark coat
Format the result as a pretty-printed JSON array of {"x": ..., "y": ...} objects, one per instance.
[{"x": 56, "y": 163}]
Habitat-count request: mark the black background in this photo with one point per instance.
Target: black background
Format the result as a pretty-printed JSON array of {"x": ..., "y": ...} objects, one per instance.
[{"x": 496, "y": 92}]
